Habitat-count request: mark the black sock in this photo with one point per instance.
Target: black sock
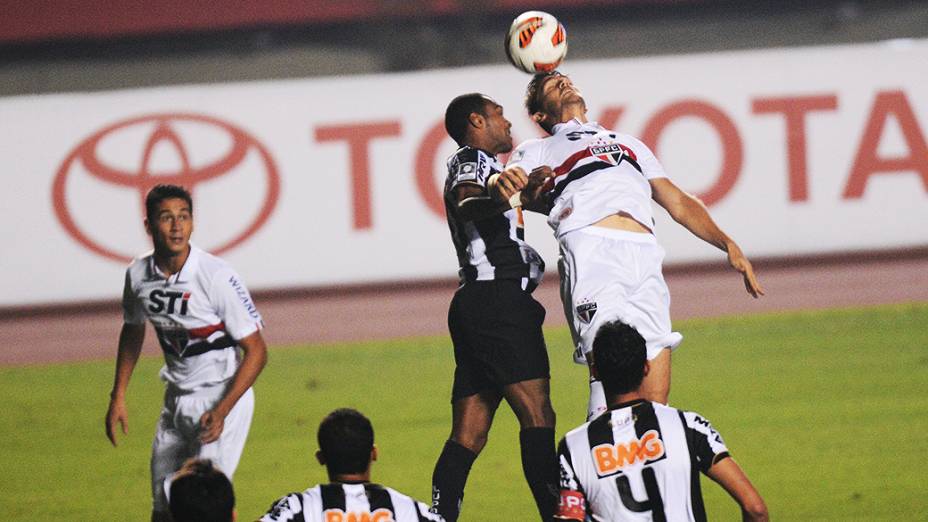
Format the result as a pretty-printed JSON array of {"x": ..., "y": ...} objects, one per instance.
[
  {"x": 539, "y": 463},
  {"x": 449, "y": 478}
]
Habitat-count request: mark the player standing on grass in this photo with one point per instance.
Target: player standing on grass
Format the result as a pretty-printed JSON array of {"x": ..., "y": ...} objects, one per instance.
[
  {"x": 600, "y": 209},
  {"x": 641, "y": 460},
  {"x": 346, "y": 449},
  {"x": 495, "y": 323},
  {"x": 202, "y": 313}
]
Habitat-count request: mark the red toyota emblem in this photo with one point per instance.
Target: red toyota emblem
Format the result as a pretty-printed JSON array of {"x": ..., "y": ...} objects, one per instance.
[{"x": 140, "y": 138}]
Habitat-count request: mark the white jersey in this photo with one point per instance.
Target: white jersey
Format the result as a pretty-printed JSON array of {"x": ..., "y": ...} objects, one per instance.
[
  {"x": 598, "y": 173},
  {"x": 198, "y": 314},
  {"x": 640, "y": 461},
  {"x": 364, "y": 502}
]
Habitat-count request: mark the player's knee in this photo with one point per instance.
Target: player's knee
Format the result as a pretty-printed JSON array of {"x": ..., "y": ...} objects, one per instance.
[
  {"x": 472, "y": 440},
  {"x": 539, "y": 415}
]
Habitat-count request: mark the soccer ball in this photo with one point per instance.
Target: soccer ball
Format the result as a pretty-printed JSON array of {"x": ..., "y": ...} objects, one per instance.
[{"x": 536, "y": 42}]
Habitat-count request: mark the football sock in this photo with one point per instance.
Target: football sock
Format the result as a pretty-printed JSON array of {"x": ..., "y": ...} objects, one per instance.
[
  {"x": 597, "y": 404},
  {"x": 449, "y": 478},
  {"x": 539, "y": 463}
]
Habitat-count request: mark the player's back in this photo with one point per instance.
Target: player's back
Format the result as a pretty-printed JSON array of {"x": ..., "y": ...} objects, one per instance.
[
  {"x": 639, "y": 461},
  {"x": 349, "y": 503}
]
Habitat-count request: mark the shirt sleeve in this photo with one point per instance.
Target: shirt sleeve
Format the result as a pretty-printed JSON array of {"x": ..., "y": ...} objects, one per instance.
[
  {"x": 572, "y": 502},
  {"x": 132, "y": 311},
  {"x": 234, "y": 304},
  {"x": 527, "y": 156},
  {"x": 651, "y": 168},
  {"x": 286, "y": 509},
  {"x": 468, "y": 166},
  {"x": 706, "y": 444}
]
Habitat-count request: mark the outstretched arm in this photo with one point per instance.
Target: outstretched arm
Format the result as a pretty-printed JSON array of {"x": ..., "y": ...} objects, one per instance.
[
  {"x": 130, "y": 346},
  {"x": 692, "y": 214},
  {"x": 728, "y": 474},
  {"x": 211, "y": 423}
]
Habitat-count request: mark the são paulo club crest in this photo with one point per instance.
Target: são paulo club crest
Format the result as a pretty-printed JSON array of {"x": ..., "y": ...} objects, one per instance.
[{"x": 586, "y": 310}]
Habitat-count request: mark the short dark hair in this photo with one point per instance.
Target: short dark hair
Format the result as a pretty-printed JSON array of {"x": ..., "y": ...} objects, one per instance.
[
  {"x": 201, "y": 493},
  {"x": 162, "y": 192},
  {"x": 457, "y": 115},
  {"x": 346, "y": 439},
  {"x": 533, "y": 92},
  {"x": 619, "y": 355}
]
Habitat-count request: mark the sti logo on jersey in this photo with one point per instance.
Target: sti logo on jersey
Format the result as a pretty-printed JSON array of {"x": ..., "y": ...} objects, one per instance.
[
  {"x": 166, "y": 301},
  {"x": 337, "y": 515},
  {"x": 612, "y": 458}
]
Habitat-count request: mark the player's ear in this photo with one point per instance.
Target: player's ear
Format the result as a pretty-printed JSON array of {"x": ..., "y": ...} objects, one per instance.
[
  {"x": 476, "y": 120},
  {"x": 374, "y": 453},
  {"x": 147, "y": 226},
  {"x": 647, "y": 368},
  {"x": 320, "y": 457}
]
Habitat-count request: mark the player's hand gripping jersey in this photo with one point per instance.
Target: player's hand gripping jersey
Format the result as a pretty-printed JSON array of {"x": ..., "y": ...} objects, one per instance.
[
  {"x": 640, "y": 461},
  {"x": 598, "y": 172},
  {"x": 349, "y": 503},
  {"x": 493, "y": 248},
  {"x": 198, "y": 314}
]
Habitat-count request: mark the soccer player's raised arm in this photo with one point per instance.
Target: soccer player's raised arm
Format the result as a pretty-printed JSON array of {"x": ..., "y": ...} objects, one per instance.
[
  {"x": 130, "y": 346},
  {"x": 728, "y": 474},
  {"x": 692, "y": 214}
]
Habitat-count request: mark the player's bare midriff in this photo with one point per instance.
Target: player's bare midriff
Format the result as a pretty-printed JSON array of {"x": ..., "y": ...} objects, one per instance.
[{"x": 622, "y": 221}]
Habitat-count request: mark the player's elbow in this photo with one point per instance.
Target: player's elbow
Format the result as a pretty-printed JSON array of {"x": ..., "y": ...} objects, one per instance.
[{"x": 755, "y": 511}]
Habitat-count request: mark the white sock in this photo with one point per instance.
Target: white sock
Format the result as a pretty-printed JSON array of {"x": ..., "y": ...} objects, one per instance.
[{"x": 597, "y": 404}]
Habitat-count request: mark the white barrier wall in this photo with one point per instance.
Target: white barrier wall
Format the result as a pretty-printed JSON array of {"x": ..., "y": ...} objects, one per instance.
[{"x": 328, "y": 181}]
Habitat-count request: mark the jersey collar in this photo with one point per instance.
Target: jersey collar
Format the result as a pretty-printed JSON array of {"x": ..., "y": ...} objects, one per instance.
[
  {"x": 186, "y": 272},
  {"x": 573, "y": 124},
  {"x": 627, "y": 404}
]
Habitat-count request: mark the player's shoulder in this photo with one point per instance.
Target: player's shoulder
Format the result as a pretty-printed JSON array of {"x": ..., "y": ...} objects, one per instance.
[
  {"x": 287, "y": 507},
  {"x": 208, "y": 267},
  {"x": 407, "y": 507},
  {"x": 468, "y": 154},
  {"x": 138, "y": 268}
]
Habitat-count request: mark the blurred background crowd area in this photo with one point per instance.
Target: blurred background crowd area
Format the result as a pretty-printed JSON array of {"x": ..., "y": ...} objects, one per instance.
[{"x": 88, "y": 45}]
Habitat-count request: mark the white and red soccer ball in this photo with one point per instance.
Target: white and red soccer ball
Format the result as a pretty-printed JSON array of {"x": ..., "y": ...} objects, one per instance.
[{"x": 536, "y": 42}]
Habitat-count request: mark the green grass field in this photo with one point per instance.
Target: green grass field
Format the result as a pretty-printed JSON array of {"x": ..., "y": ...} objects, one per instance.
[{"x": 827, "y": 412}]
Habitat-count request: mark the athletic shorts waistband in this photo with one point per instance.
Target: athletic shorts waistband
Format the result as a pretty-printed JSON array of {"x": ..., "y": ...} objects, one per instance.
[{"x": 624, "y": 235}]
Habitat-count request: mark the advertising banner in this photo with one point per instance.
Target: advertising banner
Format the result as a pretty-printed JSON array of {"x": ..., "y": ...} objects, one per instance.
[{"x": 320, "y": 182}]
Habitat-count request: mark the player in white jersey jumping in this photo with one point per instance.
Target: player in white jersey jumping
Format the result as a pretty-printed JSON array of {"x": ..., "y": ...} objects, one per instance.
[
  {"x": 202, "y": 314},
  {"x": 641, "y": 460},
  {"x": 599, "y": 205},
  {"x": 346, "y": 449}
]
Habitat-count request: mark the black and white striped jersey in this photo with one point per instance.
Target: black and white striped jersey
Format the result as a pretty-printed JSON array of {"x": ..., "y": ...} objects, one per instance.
[
  {"x": 640, "y": 461},
  {"x": 491, "y": 248},
  {"x": 364, "y": 502}
]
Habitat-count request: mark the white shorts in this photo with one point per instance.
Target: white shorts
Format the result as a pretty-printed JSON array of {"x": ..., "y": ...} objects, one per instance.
[
  {"x": 177, "y": 431},
  {"x": 609, "y": 274}
]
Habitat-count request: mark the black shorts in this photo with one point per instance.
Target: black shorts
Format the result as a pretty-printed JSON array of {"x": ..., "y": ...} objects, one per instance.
[{"x": 496, "y": 331}]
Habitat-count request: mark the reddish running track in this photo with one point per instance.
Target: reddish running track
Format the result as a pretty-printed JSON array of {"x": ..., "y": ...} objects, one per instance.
[{"x": 74, "y": 333}]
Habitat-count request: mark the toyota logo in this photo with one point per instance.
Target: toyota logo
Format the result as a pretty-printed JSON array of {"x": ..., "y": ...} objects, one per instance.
[{"x": 128, "y": 158}]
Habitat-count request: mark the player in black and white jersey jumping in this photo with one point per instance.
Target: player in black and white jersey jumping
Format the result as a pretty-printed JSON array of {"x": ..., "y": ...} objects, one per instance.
[
  {"x": 346, "y": 448},
  {"x": 641, "y": 460},
  {"x": 495, "y": 324}
]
